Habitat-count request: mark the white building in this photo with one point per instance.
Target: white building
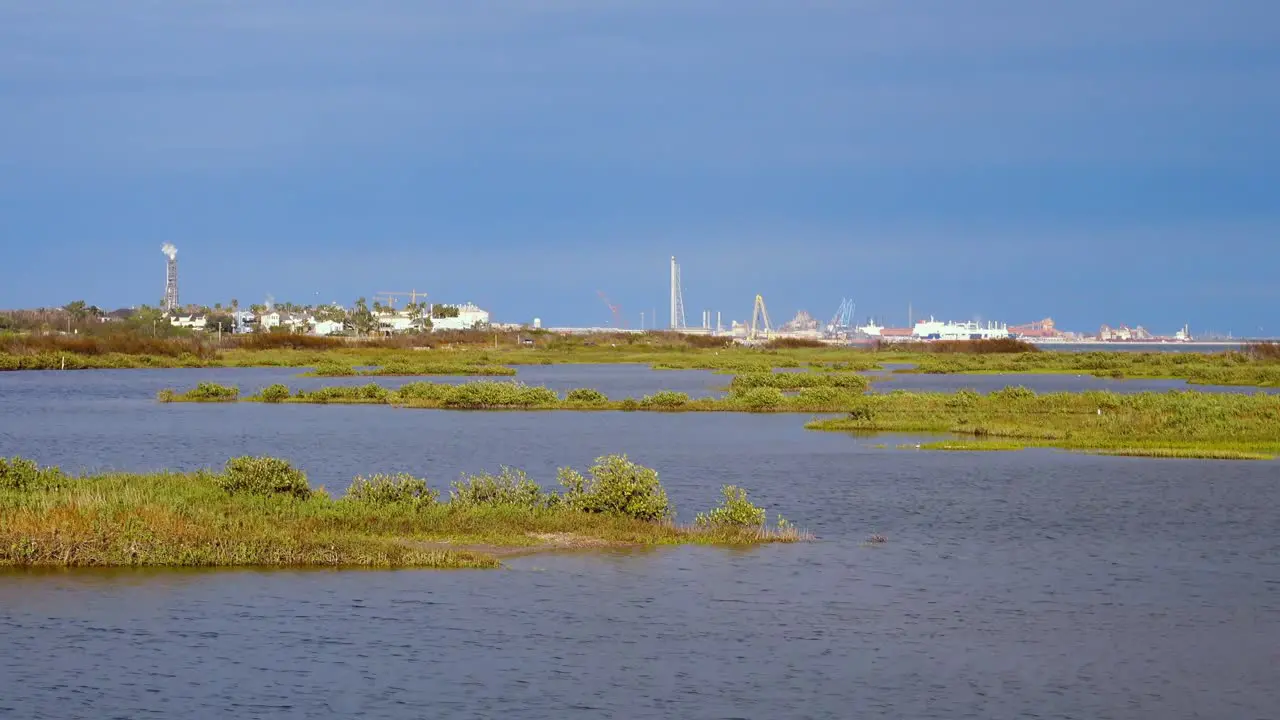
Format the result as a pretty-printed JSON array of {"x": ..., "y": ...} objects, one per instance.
[
  {"x": 395, "y": 322},
  {"x": 469, "y": 316},
  {"x": 268, "y": 320},
  {"x": 326, "y": 327},
  {"x": 194, "y": 322}
]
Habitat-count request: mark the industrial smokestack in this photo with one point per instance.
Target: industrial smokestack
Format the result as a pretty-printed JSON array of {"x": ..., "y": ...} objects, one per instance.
[{"x": 170, "y": 302}]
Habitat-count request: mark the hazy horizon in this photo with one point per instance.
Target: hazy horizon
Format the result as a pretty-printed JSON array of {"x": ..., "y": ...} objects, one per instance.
[{"x": 1098, "y": 162}]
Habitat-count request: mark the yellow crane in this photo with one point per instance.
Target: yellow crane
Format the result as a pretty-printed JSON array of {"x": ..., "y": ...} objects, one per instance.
[
  {"x": 759, "y": 313},
  {"x": 413, "y": 296}
]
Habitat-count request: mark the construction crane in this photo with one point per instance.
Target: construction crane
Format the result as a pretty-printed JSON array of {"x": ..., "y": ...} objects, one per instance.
[
  {"x": 843, "y": 319},
  {"x": 758, "y": 313},
  {"x": 618, "y": 322},
  {"x": 413, "y": 296}
]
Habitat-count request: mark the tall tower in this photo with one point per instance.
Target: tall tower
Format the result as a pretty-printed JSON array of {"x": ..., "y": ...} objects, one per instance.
[
  {"x": 677, "y": 297},
  {"x": 170, "y": 302}
]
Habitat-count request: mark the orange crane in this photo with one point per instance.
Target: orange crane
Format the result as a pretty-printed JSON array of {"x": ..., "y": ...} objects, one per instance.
[{"x": 618, "y": 322}]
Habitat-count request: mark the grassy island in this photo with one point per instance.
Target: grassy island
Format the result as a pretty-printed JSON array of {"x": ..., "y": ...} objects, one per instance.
[
  {"x": 481, "y": 352},
  {"x": 825, "y": 393},
  {"x": 263, "y": 512},
  {"x": 1172, "y": 424}
]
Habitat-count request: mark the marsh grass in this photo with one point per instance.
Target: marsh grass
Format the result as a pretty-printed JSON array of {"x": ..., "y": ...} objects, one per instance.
[
  {"x": 472, "y": 353},
  {"x": 409, "y": 368},
  {"x": 1252, "y": 367},
  {"x": 500, "y": 395},
  {"x": 255, "y": 513},
  {"x": 1171, "y": 424},
  {"x": 204, "y": 392}
]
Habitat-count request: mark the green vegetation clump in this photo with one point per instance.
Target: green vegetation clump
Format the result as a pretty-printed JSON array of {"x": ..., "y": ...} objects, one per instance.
[
  {"x": 735, "y": 510},
  {"x": 409, "y": 368},
  {"x": 332, "y": 368},
  {"x": 586, "y": 396},
  {"x": 21, "y": 475},
  {"x": 798, "y": 380},
  {"x": 762, "y": 399},
  {"x": 400, "y": 489},
  {"x": 265, "y": 476},
  {"x": 509, "y": 488},
  {"x": 275, "y": 393},
  {"x": 614, "y": 485},
  {"x": 1172, "y": 424},
  {"x": 255, "y": 512},
  {"x": 368, "y": 393},
  {"x": 665, "y": 400},
  {"x": 203, "y": 392},
  {"x": 401, "y": 366},
  {"x": 482, "y": 395}
]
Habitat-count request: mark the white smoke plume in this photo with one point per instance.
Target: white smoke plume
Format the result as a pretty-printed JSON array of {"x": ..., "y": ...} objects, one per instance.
[{"x": 170, "y": 250}]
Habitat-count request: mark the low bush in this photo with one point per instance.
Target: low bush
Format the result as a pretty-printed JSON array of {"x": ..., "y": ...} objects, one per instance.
[
  {"x": 820, "y": 396},
  {"x": 275, "y": 393},
  {"x": 333, "y": 368},
  {"x": 508, "y": 488},
  {"x": 25, "y": 475},
  {"x": 422, "y": 390},
  {"x": 615, "y": 485},
  {"x": 212, "y": 392},
  {"x": 265, "y": 476},
  {"x": 762, "y": 399},
  {"x": 862, "y": 412},
  {"x": 665, "y": 400},
  {"x": 1014, "y": 392},
  {"x": 797, "y": 380},
  {"x": 586, "y": 396},
  {"x": 735, "y": 510},
  {"x": 479, "y": 395},
  {"x": 400, "y": 489},
  {"x": 963, "y": 398}
]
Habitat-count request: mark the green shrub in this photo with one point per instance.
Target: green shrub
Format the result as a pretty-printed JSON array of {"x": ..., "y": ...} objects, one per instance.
[
  {"x": 797, "y": 380},
  {"x": 586, "y": 396},
  {"x": 398, "y": 489},
  {"x": 734, "y": 511},
  {"x": 762, "y": 399},
  {"x": 819, "y": 396},
  {"x": 266, "y": 476},
  {"x": 964, "y": 398},
  {"x": 212, "y": 392},
  {"x": 616, "y": 486},
  {"x": 507, "y": 488},
  {"x": 422, "y": 390},
  {"x": 275, "y": 393},
  {"x": 862, "y": 412},
  {"x": 665, "y": 400},
  {"x": 373, "y": 391},
  {"x": 1014, "y": 392},
  {"x": 333, "y": 368},
  {"x": 629, "y": 405},
  {"x": 478, "y": 395},
  {"x": 25, "y": 475},
  {"x": 166, "y": 395}
]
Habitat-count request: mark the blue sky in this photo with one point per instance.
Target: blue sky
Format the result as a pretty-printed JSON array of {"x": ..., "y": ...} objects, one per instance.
[{"x": 1094, "y": 160}]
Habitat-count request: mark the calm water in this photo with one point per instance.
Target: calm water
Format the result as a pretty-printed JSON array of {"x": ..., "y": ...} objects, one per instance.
[{"x": 1029, "y": 584}]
